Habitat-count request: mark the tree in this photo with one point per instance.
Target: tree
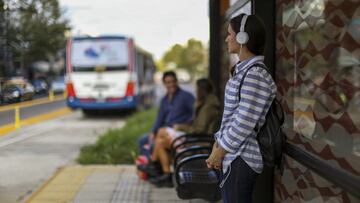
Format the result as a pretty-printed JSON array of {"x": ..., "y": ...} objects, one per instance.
[
  {"x": 174, "y": 55},
  {"x": 38, "y": 30},
  {"x": 191, "y": 57}
]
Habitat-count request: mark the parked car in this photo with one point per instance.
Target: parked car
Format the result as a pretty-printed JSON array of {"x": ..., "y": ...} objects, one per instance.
[
  {"x": 40, "y": 86},
  {"x": 13, "y": 92},
  {"x": 58, "y": 85}
]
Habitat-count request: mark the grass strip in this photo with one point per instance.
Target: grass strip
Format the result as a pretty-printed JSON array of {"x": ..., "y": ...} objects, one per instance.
[{"x": 119, "y": 146}]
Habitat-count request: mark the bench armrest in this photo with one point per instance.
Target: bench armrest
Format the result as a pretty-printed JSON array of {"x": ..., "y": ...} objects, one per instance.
[
  {"x": 189, "y": 150},
  {"x": 190, "y": 135},
  {"x": 196, "y": 141}
]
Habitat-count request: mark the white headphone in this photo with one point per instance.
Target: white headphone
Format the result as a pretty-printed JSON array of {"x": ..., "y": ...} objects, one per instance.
[{"x": 242, "y": 37}]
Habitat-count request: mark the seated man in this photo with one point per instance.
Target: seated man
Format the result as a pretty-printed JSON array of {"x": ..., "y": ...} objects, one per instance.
[
  {"x": 207, "y": 116},
  {"x": 175, "y": 107}
]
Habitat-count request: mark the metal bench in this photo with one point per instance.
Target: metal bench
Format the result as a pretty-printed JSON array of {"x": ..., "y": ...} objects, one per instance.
[{"x": 192, "y": 178}]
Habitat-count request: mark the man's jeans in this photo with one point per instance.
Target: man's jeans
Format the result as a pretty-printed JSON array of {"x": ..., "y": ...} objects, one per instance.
[
  {"x": 239, "y": 184},
  {"x": 144, "y": 146}
]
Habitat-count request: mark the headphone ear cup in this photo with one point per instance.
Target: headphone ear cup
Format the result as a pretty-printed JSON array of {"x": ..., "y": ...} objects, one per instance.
[{"x": 242, "y": 37}]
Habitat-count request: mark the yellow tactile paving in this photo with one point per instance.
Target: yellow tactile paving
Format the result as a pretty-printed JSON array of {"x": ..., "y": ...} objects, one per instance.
[
  {"x": 65, "y": 184},
  {"x": 54, "y": 189},
  {"x": 36, "y": 119}
]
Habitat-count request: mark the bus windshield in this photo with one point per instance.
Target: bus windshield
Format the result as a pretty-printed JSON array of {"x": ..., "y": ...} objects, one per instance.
[{"x": 90, "y": 54}]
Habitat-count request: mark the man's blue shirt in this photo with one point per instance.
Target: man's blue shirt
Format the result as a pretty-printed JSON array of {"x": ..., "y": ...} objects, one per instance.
[{"x": 178, "y": 110}]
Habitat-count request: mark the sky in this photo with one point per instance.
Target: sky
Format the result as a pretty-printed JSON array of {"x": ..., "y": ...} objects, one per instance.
[{"x": 155, "y": 25}]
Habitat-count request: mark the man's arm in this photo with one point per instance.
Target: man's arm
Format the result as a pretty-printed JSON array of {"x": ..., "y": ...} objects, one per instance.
[{"x": 159, "y": 118}]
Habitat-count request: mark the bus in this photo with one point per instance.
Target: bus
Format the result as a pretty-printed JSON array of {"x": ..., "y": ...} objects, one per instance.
[{"x": 108, "y": 73}]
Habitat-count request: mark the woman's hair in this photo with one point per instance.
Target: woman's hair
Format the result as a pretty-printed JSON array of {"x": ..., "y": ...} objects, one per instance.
[
  {"x": 255, "y": 29},
  {"x": 169, "y": 73},
  {"x": 204, "y": 85}
]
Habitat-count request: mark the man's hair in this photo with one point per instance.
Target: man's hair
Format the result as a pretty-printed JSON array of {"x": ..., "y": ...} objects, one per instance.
[
  {"x": 204, "y": 84},
  {"x": 255, "y": 29},
  {"x": 169, "y": 74}
]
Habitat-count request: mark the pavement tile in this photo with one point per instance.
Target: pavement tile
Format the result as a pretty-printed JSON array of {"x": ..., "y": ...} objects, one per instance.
[
  {"x": 168, "y": 201},
  {"x": 131, "y": 189},
  {"x": 104, "y": 196},
  {"x": 104, "y": 184},
  {"x": 89, "y": 201},
  {"x": 99, "y": 187},
  {"x": 103, "y": 178}
]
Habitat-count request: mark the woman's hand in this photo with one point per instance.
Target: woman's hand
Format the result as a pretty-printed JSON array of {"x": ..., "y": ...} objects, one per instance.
[{"x": 216, "y": 157}]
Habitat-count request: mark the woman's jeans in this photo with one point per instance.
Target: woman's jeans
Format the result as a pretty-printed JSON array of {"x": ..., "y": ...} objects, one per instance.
[{"x": 239, "y": 184}]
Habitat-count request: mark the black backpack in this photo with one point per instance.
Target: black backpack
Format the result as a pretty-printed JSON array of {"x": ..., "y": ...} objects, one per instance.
[{"x": 270, "y": 136}]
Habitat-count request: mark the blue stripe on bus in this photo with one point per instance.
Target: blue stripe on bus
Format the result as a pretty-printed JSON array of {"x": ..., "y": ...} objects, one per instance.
[{"x": 76, "y": 103}]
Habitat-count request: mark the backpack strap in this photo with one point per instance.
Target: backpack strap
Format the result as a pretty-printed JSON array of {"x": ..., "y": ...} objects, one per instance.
[{"x": 261, "y": 65}]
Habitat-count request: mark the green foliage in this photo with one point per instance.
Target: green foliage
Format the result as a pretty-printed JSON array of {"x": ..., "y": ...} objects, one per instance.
[
  {"x": 174, "y": 55},
  {"x": 36, "y": 30},
  {"x": 191, "y": 57},
  {"x": 1, "y": 5},
  {"x": 119, "y": 146},
  {"x": 161, "y": 65}
]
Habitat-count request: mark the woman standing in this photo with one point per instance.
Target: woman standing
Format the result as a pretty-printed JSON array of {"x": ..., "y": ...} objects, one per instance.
[{"x": 249, "y": 93}]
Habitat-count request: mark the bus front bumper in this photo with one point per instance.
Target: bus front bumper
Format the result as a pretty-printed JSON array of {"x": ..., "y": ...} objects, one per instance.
[{"x": 123, "y": 103}]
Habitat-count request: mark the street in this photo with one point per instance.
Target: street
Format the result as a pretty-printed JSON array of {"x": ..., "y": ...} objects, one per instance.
[
  {"x": 31, "y": 154},
  {"x": 8, "y": 116}
]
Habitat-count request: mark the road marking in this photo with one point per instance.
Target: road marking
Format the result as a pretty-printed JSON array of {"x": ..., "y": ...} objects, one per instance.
[
  {"x": 7, "y": 128},
  {"x": 30, "y": 103},
  {"x": 36, "y": 119}
]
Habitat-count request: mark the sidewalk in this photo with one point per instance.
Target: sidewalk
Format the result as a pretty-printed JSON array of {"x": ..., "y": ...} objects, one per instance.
[{"x": 102, "y": 184}]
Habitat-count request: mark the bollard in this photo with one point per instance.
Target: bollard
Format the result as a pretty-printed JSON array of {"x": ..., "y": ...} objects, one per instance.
[
  {"x": 17, "y": 117},
  {"x": 51, "y": 95},
  {"x": 64, "y": 93}
]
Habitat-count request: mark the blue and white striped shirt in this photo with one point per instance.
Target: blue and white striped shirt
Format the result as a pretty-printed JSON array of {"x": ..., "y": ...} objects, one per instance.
[{"x": 237, "y": 134}]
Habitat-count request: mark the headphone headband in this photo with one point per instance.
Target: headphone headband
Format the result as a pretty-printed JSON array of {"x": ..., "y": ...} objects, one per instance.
[{"x": 243, "y": 23}]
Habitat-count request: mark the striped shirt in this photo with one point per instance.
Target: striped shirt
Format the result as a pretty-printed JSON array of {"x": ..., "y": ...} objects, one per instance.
[{"x": 237, "y": 135}]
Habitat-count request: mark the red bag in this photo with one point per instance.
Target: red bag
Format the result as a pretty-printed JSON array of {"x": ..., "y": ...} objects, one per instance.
[{"x": 141, "y": 160}]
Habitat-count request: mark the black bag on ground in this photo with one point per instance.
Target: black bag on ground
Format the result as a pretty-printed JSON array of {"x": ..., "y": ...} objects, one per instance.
[{"x": 270, "y": 136}]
